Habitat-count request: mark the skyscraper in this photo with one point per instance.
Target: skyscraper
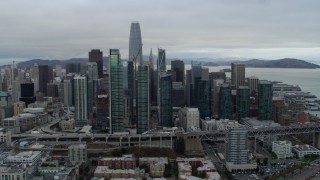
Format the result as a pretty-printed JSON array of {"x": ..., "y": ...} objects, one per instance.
[
  {"x": 236, "y": 146},
  {"x": 95, "y": 55},
  {"x": 27, "y": 93},
  {"x": 116, "y": 91},
  {"x": 196, "y": 77},
  {"x": 243, "y": 102},
  {"x": 45, "y": 76},
  {"x": 67, "y": 92},
  {"x": 135, "y": 58},
  {"x": 143, "y": 99},
  {"x": 161, "y": 63},
  {"x": 81, "y": 100},
  {"x": 253, "y": 83},
  {"x": 92, "y": 72},
  {"x": 102, "y": 104},
  {"x": 204, "y": 95},
  {"x": 238, "y": 74},
  {"x": 265, "y": 100},
  {"x": 177, "y": 71},
  {"x": 225, "y": 102},
  {"x": 165, "y": 100}
]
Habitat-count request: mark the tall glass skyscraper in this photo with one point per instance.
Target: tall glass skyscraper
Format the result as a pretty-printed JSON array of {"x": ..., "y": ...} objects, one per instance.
[
  {"x": 196, "y": 77},
  {"x": 81, "y": 100},
  {"x": 143, "y": 99},
  {"x": 265, "y": 94},
  {"x": 225, "y": 102},
  {"x": 165, "y": 99},
  {"x": 135, "y": 58},
  {"x": 177, "y": 71},
  {"x": 243, "y": 102},
  {"x": 204, "y": 95},
  {"x": 161, "y": 63},
  {"x": 116, "y": 91},
  {"x": 236, "y": 146}
]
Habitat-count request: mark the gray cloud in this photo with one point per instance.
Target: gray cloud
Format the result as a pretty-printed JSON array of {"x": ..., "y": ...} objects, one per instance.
[{"x": 214, "y": 28}]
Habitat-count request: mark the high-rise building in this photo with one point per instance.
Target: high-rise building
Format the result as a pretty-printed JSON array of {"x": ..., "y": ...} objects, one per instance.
[
  {"x": 217, "y": 75},
  {"x": 253, "y": 84},
  {"x": 92, "y": 72},
  {"x": 188, "y": 87},
  {"x": 236, "y": 146},
  {"x": 67, "y": 92},
  {"x": 27, "y": 93},
  {"x": 95, "y": 55},
  {"x": 204, "y": 95},
  {"x": 189, "y": 118},
  {"x": 225, "y": 102},
  {"x": 77, "y": 153},
  {"x": 196, "y": 77},
  {"x": 178, "y": 95},
  {"x": 238, "y": 74},
  {"x": 52, "y": 90},
  {"x": 73, "y": 68},
  {"x": 143, "y": 99},
  {"x": 177, "y": 71},
  {"x": 116, "y": 91},
  {"x": 102, "y": 119},
  {"x": 243, "y": 102},
  {"x": 153, "y": 82},
  {"x": 215, "y": 87},
  {"x": 165, "y": 100},
  {"x": 265, "y": 94},
  {"x": 45, "y": 76},
  {"x": 161, "y": 63},
  {"x": 135, "y": 59},
  {"x": 81, "y": 100}
]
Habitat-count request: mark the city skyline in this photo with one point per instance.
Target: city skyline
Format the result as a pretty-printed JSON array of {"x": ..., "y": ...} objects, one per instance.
[{"x": 215, "y": 29}]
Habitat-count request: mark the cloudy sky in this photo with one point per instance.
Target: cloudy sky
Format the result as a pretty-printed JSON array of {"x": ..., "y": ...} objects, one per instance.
[{"x": 63, "y": 29}]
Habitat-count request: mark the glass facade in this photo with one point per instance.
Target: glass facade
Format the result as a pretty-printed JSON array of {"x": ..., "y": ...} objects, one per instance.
[
  {"x": 236, "y": 146},
  {"x": 143, "y": 99},
  {"x": 225, "y": 102},
  {"x": 116, "y": 91},
  {"x": 204, "y": 95},
  {"x": 265, "y": 94},
  {"x": 165, "y": 97},
  {"x": 81, "y": 100},
  {"x": 243, "y": 102}
]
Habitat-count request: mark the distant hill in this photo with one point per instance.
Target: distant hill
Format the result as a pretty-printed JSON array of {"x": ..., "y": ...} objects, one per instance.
[{"x": 280, "y": 63}]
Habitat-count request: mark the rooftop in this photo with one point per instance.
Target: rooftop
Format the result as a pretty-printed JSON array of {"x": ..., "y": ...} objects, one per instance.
[{"x": 304, "y": 148}]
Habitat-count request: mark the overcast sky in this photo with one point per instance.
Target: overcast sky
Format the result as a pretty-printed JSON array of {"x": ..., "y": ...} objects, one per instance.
[{"x": 63, "y": 29}]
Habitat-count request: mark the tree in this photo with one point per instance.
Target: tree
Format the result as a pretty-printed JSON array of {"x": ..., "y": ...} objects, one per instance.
[
  {"x": 258, "y": 161},
  {"x": 265, "y": 161}
]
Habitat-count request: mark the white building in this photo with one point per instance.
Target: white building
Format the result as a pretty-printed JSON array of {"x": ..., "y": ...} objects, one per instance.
[
  {"x": 5, "y": 136},
  {"x": 303, "y": 150},
  {"x": 208, "y": 125},
  {"x": 282, "y": 149},
  {"x": 77, "y": 153},
  {"x": 13, "y": 173},
  {"x": 189, "y": 118},
  {"x": 66, "y": 125},
  {"x": 25, "y": 157}
]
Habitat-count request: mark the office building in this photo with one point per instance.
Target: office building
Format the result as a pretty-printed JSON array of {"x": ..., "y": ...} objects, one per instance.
[
  {"x": 238, "y": 74},
  {"x": 143, "y": 99},
  {"x": 243, "y": 102},
  {"x": 225, "y": 102},
  {"x": 116, "y": 91},
  {"x": 165, "y": 100},
  {"x": 73, "y": 68},
  {"x": 204, "y": 98},
  {"x": 282, "y": 149},
  {"x": 18, "y": 107},
  {"x": 25, "y": 157},
  {"x": 5, "y": 136},
  {"x": 217, "y": 75},
  {"x": 92, "y": 74},
  {"x": 13, "y": 173},
  {"x": 161, "y": 63},
  {"x": 253, "y": 84},
  {"x": 189, "y": 118},
  {"x": 177, "y": 71},
  {"x": 196, "y": 68},
  {"x": 153, "y": 80},
  {"x": 305, "y": 149},
  {"x": 265, "y": 94},
  {"x": 52, "y": 90},
  {"x": 81, "y": 100},
  {"x": 188, "y": 87},
  {"x": 67, "y": 92},
  {"x": 178, "y": 94},
  {"x": 77, "y": 153},
  {"x": 135, "y": 44},
  {"x": 216, "y": 83},
  {"x": 45, "y": 76},
  {"x": 95, "y": 55},
  {"x": 102, "y": 107}
]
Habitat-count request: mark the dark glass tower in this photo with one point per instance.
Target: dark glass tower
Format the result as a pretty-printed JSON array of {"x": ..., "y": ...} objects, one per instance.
[
  {"x": 27, "y": 93},
  {"x": 225, "y": 102},
  {"x": 265, "y": 94},
  {"x": 95, "y": 55},
  {"x": 243, "y": 102},
  {"x": 196, "y": 77},
  {"x": 165, "y": 99},
  {"x": 143, "y": 99},
  {"x": 177, "y": 71},
  {"x": 204, "y": 95},
  {"x": 45, "y": 76},
  {"x": 116, "y": 91}
]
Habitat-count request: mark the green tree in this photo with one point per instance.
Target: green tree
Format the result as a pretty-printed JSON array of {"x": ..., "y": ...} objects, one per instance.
[
  {"x": 258, "y": 161},
  {"x": 265, "y": 161}
]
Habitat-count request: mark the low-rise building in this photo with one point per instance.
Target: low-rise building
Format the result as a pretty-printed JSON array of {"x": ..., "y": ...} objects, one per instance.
[
  {"x": 127, "y": 161},
  {"x": 66, "y": 125},
  {"x": 282, "y": 149},
  {"x": 189, "y": 118},
  {"x": 302, "y": 150},
  {"x": 12, "y": 173},
  {"x": 5, "y": 136},
  {"x": 11, "y": 124},
  {"x": 25, "y": 157},
  {"x": 105, "y": 172}
]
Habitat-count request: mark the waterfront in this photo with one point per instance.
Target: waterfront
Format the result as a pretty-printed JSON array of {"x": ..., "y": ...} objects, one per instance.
[{"x": 307, "y": 79}]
